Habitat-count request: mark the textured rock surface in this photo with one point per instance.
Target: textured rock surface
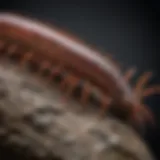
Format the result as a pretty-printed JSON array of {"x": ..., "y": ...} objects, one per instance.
[{"x": 35, "y": 121}]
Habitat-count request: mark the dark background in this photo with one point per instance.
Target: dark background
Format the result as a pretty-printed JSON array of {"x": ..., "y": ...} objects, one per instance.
[{"x": 129, "y": 30}]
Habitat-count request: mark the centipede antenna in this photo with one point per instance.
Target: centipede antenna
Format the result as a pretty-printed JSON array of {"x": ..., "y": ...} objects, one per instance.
[
  {"x": 141, "y": 82},
  {"x": 151, "y": 90},
  {"x": 129, "y": 74}
]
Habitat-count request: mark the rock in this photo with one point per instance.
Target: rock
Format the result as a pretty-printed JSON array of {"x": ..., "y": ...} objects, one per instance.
[{"x": 35, "y": 122}]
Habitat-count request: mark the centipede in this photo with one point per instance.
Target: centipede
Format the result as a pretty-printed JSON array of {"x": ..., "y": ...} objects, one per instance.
[{"x": 57, "y": 54}]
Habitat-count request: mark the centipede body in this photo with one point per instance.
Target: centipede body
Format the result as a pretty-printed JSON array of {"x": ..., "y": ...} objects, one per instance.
[{"x": 56, "y": 55}]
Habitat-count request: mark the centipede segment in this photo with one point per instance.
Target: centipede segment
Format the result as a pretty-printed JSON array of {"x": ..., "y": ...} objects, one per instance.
[
  {"x": 69, "y": 80},
  {"x": 56, "y": 56}
]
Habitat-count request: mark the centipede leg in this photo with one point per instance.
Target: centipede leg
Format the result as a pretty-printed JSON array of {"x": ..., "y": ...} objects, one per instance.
[
  {"x": 54, "y": 72},
  {"x": 2, "y": 44},
  {"x": 105, "y": 103},
  {"x": 12, "y": 49},
  {"x": 27, "y": 56},
  {"x": 117, "y": 64},
  {"x": 151, "y": 90},
  {"x": 85, "y": 93},
  {"x": 72, "y": 81},
  {"x": 12, "y": 52},
  {"x": 141, "y": 83},
  {"x": 129, "y": 74},
  {"x": 45, "y": 65}
]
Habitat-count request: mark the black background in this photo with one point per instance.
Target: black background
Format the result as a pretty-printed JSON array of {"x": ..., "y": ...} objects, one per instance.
[{"x": 129, "y": 30}]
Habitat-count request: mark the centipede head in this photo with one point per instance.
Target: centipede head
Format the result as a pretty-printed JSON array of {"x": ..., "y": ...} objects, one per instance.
[
  {"x": 140, "y": 113},
  {"x": 141, "y": 116}
]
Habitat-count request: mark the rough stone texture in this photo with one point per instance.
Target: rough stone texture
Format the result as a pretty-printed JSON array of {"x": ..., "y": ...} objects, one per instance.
[{"x": 35, "y": 121}]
